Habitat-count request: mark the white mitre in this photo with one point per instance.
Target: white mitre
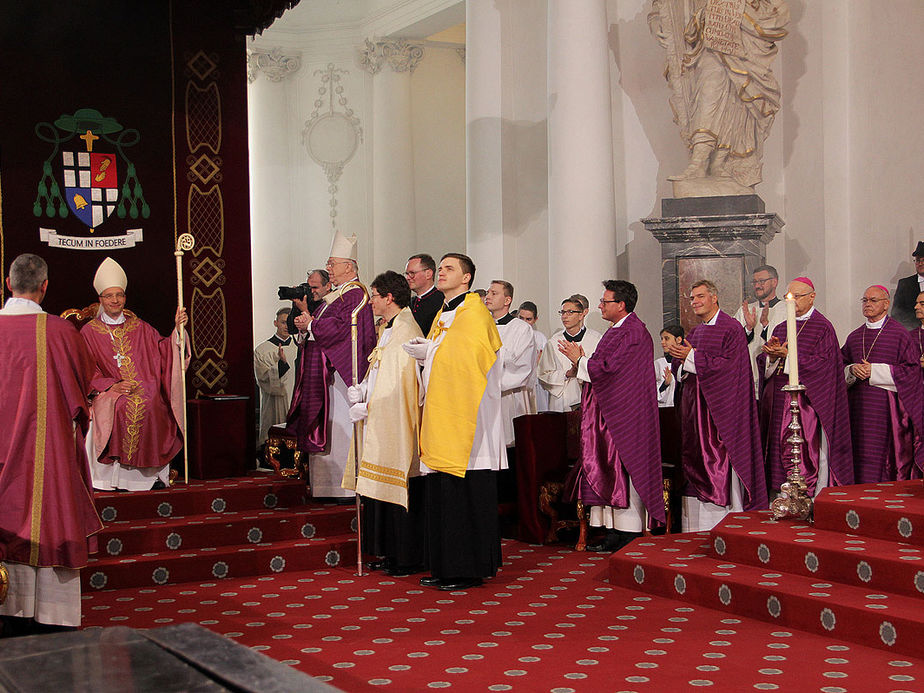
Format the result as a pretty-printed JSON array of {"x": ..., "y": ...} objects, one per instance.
[
  {"x": 343, "y": 247},
  {"x": 109, "y": 274}
]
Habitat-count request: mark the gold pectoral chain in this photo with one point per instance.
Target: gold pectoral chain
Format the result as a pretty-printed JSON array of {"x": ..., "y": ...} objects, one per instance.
[
  {"x": 863, "y": 335},
  {"x": 135, "y": 408}
]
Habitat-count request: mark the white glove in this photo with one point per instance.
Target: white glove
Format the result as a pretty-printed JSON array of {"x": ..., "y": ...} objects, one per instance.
[
  {"x": 355, "y": 393},
  {"x": 359, "y": 412},
  {"x": 417, "y": 348}
]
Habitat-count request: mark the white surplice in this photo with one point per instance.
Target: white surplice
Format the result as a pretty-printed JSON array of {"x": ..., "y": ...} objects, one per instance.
[
  {"x": 564, "y": 392},
  {"x": 519, "y": 358}
]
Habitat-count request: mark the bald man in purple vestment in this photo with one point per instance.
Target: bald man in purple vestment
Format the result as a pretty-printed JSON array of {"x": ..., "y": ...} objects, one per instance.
[
  {"x": 721, "y": 453},
  {"x": 823, "y": 406},
  {"x": 620, "y": 466},
  {"x": 886, "y": 395}
]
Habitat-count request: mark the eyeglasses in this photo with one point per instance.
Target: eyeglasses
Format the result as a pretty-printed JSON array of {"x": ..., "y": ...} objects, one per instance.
[
  {"x": 570, "y": 312},
  {"x": 109, "y": 297},
  {"x": 330, "y": 263},
  {"x": 606, "y": 300},
  {"x": 865, "y": 300},
  {"x": 411, "y": 273},
  {"x": 759, "y": 282},
  {"x": 809, "y": 293}
]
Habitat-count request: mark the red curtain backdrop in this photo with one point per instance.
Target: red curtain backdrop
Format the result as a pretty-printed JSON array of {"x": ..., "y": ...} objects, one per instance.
[{"x": 161, "y": 88}]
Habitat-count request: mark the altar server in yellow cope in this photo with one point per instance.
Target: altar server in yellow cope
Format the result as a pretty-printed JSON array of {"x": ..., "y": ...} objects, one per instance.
[
  {"x": 462, "y": 432},
  {"x": 388, "y": 400}
]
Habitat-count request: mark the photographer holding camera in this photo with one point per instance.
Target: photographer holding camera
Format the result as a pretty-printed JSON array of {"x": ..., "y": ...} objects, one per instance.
[{"x": 305, "y": 297}]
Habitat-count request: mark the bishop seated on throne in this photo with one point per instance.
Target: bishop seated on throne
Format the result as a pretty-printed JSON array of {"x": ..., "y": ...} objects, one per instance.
[{"x": 137, "y": 393}]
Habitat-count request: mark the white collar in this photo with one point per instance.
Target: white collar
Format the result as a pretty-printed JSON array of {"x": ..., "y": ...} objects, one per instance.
[
  {"x": 334, "y": 287},
  {"x": 808, "y": 314},
  {"x": 921, "y": 279},
  {"x": 713, "y": 319},
  {"x": 619, "y": 324},
  {"x": 17, "y": 305},
  {"x": 427, "y": 292},
  {"x": 876, "y": 325},
  {"x": 104, "y": 316}
]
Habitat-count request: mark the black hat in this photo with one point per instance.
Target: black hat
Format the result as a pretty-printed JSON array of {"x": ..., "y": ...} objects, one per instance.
[{"x": 919, "y": 251}]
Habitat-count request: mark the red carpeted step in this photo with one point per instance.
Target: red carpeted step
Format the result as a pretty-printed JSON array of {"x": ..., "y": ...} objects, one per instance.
[
  {"x": 201, "y": 497},
  {"x": 891, "y": 510},
  {"x": 872, "y": 564},
  {"x": 153, "y": 569},
  {"x": 547, "y": 622},
  {"x": 679, "y": 567},
  {"x": 243, "y": 527}
]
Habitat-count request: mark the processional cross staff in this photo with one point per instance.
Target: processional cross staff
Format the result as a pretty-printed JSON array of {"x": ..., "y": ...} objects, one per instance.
[
  {"x": 184, "y": 243},
  {"x": 357, "y": 425}
]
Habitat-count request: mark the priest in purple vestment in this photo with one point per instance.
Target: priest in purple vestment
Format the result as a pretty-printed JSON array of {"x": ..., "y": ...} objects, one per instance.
[
  {"x": 137, "y": 407},
  {"x": 47, "y": 517},
  {"x": 620, "y": 465},
  {"x": 320, "y": 411},
  {"x": 886, "y": 395},
  {"x": 917, "y": 332},
  {"x": 828, "y": 458},
  {"x": 721, "y": 454}
]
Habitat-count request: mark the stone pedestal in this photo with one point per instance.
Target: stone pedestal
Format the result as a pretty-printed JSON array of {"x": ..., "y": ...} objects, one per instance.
[{"x": 717, "y": 238}]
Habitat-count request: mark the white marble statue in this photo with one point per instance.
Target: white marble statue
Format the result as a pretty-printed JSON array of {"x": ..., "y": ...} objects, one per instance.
[{"x": 723, "y": 93}]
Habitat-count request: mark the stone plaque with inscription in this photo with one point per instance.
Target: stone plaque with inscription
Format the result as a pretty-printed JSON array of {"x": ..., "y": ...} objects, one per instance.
[{"x": 722, "y": 32}]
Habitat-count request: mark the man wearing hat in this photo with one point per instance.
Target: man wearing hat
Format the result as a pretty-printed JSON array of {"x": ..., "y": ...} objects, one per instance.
[
  {"x": 906, "y": 293},
  {"x": 138, "y": 394},
  {"x": 320, "y": 411}
]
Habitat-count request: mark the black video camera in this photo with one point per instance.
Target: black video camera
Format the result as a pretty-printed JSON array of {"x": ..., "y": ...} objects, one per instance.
[{"x": 291, "y": 293}]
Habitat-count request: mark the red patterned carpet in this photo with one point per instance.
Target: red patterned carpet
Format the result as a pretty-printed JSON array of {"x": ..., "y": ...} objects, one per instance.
[{"x": 549, "y": 622}]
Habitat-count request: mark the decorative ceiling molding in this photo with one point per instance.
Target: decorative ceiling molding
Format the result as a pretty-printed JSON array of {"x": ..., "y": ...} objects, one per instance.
[
  {"x": 276, "y": 64},
  {"x": 399, "y": 55},
  {"x": 404, "y": 13}
]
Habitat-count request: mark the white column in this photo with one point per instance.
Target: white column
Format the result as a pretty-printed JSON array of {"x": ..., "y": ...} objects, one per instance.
[
  {"x": 393, "y": 204},
  {"x": 270, "y": 179},
  {"x": 483, "y": 96},
  {"x": 582, "y": 211}
]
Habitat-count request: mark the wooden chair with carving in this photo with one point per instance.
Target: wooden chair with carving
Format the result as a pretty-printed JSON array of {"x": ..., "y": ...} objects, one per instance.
[
  {"x": 79, "y": 317},
  {"x": 278, "y": 439},
  {"x": 548, "y": 444}
]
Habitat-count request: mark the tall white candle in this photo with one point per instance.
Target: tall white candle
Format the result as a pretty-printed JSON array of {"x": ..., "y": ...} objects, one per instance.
[{"x": 791, "y": 339}]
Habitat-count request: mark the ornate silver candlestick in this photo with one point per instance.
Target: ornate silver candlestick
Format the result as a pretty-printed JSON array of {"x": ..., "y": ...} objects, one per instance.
[{"x": 793, "y": 501}]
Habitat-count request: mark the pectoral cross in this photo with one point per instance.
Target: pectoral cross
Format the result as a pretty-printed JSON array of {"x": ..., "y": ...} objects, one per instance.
[{"x": 118, "y": 358}]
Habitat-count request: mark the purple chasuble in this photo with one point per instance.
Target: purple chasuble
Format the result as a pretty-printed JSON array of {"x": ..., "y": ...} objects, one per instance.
[
  {"x": 917, "y": 336},
  {"x": 307, "y": 418},
  {"x": 719, "y": 417},
  {"x": 619, "y": 422},
  {"x": 47, "y": 516},
  {"x": 331, "y": 350},
  {"x": 887, "y": 428},
  {"x": 825, "y": 401}
]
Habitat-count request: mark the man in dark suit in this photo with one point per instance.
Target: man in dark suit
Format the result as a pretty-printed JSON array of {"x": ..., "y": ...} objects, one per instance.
[
  {"x": 420, "y": 274},
  {"x": 907, "y": 292}
]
